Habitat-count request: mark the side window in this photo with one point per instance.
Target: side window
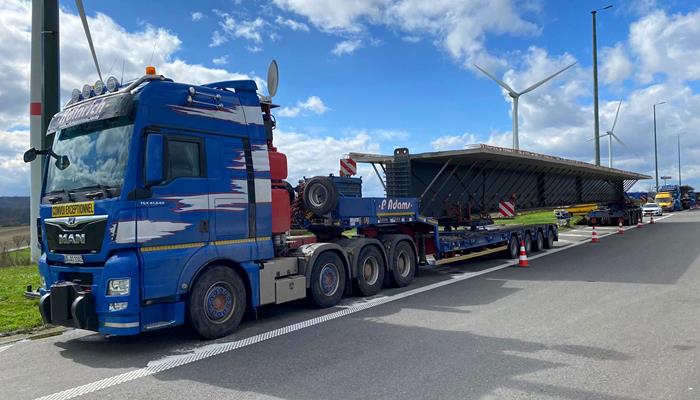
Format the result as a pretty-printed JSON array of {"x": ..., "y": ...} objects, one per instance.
[{"x": 184, "y": 158}]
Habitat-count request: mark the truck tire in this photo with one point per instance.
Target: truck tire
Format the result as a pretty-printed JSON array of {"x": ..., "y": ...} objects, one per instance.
[
  {"x": 513, "y": 247},
  {"x": 327, "y": 280},
  {"x": 549, "y": 242},
  {"x": 403, "y": 265},
  {"x": 370, "y": 271},
  {"x": 217, "y": 302},
  {"x": 538, "y": 244},
  {"x": 528, "y": 243},
  {"x": 320, "y": 195}
]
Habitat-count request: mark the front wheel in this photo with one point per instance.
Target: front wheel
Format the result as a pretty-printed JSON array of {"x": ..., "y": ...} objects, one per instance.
[
  {"x": 327, "y": 280},
  {"x": 217, "y": 302}
]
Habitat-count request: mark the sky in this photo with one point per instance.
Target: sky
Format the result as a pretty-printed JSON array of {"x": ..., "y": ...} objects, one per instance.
[{"x": 373, "y": 75}]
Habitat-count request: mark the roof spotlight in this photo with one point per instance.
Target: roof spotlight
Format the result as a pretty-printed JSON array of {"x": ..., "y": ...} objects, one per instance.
[
  {"x": 87, "y": 91},
  {"x": 112, "y": 84},
  {"x": 76, "y": 96},
  {"x": 99, "y": 87}
]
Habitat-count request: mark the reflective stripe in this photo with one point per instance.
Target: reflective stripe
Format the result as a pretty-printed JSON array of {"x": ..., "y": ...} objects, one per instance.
[
  {"x": 172, "y": 246},
  {"x": 121, "y": 324},
  {"x": 238, "y": 241}
]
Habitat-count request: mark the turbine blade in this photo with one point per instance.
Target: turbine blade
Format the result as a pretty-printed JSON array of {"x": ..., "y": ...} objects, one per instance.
[
  {"x": 543, "y": 81},
  {"x": 616, "y": 114},
  {"x": 500, "y": 82},
  {"x": 81, "y": 11},
  {"x": 618, "y": 139}
]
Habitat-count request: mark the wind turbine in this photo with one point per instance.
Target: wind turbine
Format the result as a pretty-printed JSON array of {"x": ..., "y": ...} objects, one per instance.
[
  {"x": 611, "y": 135},
  {"x": 515, "y": 96}
]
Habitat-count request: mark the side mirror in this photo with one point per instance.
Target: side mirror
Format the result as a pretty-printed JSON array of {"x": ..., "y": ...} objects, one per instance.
[
  {"x": 154, "y": 159},
  {"x": 30, "y": 155},
  {"x": 62, "y": 162}
]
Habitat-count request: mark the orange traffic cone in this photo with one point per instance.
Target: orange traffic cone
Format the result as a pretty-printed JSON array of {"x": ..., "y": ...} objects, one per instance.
[
  {"x": 594, "y": 235},
  {"x": 651, "y": 221},
  {"x": 639, "y": 222},
  {"x": 522, "y": 260},
  {"x": 620, "y": 230}
]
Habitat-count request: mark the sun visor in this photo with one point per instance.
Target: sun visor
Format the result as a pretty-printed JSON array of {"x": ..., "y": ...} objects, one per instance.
[{"x": 98, "y": 108}]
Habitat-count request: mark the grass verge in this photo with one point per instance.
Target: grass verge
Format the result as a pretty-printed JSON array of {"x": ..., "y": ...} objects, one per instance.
[{"x": 16, "y": 312}]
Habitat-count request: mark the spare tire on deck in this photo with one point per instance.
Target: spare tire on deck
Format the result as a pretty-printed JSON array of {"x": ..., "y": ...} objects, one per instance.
[{"x": 320, "y": 195}]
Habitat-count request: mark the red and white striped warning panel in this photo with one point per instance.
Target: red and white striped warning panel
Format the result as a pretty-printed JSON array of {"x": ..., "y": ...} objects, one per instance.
[
  {"x": 506, "y": 208},
  {"x": 348, "y": 167}
]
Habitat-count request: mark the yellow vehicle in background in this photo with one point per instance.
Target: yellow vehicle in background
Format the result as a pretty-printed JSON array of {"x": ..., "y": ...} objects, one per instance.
[{"x": 664, "y": 200}]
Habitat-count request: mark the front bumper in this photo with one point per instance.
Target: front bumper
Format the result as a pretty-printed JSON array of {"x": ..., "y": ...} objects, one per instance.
[{"x": 67, "y": 304}]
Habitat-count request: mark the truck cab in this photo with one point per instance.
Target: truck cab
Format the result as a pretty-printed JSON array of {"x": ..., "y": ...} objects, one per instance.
[{"x": 148, "y": 185}]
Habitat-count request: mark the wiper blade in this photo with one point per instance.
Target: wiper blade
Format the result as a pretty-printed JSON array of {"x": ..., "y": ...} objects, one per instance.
[
  {"x": 55, "y": 199},
  {"x": 104, "y": 191}
]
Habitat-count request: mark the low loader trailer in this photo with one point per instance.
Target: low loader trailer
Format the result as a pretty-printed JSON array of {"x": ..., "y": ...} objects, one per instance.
[{"x": 164, "y": 203}]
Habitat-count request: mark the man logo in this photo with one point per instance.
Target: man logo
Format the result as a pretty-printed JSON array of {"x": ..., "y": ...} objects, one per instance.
[{"x": 71, "y": 238}]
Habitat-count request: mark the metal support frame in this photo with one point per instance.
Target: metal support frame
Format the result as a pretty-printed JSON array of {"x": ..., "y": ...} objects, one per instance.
[
  {"x": 435, "y": 178},
  {"x": 466, "y": 189},
  {"x": 531, "y": 174},
  {"x": 456, "y": 167},
  {"x": 379, "y": 176}
]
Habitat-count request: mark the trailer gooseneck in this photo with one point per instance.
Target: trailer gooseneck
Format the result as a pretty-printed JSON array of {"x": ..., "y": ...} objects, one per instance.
[{"x": 164, "y": 202}]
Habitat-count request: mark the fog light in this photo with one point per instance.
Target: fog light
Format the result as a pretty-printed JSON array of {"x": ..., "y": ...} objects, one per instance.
[
  {"x": 118, "y": 287},
  {"x": 118, "y": 306}
]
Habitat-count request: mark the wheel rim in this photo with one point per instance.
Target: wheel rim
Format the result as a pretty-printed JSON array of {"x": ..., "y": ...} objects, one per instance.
[
  {"x": 403, "y": 264},
  {"x": 528, "y": 243},
  {"x": 540, "y": 241},
  {"x": 329, "y": 279},
  {"x": 220, "y": 302},
  {"x": 318, "y": 195},
  {"x": 513, "y": 248},
  {"x": 370, "y": 270}
]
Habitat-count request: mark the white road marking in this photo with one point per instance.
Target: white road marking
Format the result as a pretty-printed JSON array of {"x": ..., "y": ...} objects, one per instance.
[
  {"x": 211, "y": 350},
  {"x": 575, "y": 234},
  {"x": 3, "y": 348}
]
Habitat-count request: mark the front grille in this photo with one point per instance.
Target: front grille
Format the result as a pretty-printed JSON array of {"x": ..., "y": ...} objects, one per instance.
[{"x": 76, "y": 235}]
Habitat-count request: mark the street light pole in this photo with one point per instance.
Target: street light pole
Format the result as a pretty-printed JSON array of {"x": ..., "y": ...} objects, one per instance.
[
  {"x": 596, "y": 122},
  {"x": 656, "y": 153},
  {"x": 680, "y": 183}
]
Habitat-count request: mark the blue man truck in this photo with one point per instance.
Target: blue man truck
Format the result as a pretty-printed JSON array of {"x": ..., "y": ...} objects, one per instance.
[{"x": 165, "y": 203}]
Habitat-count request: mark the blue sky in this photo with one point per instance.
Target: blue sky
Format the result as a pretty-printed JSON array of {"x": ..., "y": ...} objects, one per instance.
[{"x": 371, "y": 75}]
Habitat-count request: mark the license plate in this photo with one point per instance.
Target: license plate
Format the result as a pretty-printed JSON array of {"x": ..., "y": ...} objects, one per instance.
[{"x": 72, "y": 258}]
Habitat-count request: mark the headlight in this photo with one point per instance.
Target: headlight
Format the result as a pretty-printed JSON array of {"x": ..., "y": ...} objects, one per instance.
[
  {"x": 112, "y": 84},
  {"x": 87, "y": 91},
  {"x": 118, "y": 287},
  {"x": 99, "y": 87}
]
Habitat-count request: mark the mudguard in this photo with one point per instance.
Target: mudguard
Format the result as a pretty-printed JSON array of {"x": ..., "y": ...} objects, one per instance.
[{"x": 389, "y": 243}]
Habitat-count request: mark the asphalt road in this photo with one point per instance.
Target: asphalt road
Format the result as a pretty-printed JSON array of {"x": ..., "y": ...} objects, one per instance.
[{"x": 612, "y": 320}]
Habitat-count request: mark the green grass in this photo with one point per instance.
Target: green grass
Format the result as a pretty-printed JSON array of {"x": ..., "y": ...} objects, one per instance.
[
  {"x": 534, "y": 217},
  {"x": 16, "y": 312}
]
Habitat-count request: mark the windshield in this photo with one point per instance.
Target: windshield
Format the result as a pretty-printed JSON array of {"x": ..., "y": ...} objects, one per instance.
[{"x": 97, "y": 153}]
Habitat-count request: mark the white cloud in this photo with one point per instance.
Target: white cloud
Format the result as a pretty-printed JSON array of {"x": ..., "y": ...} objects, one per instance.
[
  {"x": 217, "y": 39},
  {"x": 197, "y": 16},
  {"x": 346, "y": 47},
  {"x": 114, "y": 44},
  {"x": 313, "y": 104},
  {"x": 254, "y": 49},
  {"x": 223, "y": 60},
  {"x": 615, "y": 66},
  {"x": 453, "y": 142},
  {"x": 457, "y": 26},
  {"x": 245, "y": 29},
  {"x": 667, "y": 44},
  {"x": 292, "y": 24}
]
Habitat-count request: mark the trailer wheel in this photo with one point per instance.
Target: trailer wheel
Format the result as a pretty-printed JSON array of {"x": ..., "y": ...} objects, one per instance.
[
  {"x": 370, "y": 271},
  {"x": 217, "y": 302},
  {"x": 320, "y": 195},
  {"x": 538, "y": 244},
  {"x": 327, "y": 280},
  {"x": 513, "y": 247},
  {"x": 528, "y": 243},
  {"x": 550, "y": 239},
  {"x": 404, "y": 265}
]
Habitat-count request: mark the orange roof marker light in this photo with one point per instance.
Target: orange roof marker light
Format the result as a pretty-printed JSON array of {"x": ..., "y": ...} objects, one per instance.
[{"x": 150, "y": 70}]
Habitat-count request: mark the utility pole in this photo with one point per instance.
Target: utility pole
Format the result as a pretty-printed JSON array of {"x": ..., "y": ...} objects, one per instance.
[
  {"x": 43, "y": 96},
  {"x": 656, "y": 152},
  {"x": 596, "y": 121},
  {"x": 680, "y": 183}
]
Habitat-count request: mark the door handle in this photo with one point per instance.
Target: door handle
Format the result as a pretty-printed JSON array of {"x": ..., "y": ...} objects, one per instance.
[{"x": 204, "y": 226}]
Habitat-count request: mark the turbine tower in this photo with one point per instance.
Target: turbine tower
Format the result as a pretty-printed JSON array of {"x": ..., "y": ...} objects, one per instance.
[
  {"x": 515, "y": 96},
  {"x": 610, "y": 134}
]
